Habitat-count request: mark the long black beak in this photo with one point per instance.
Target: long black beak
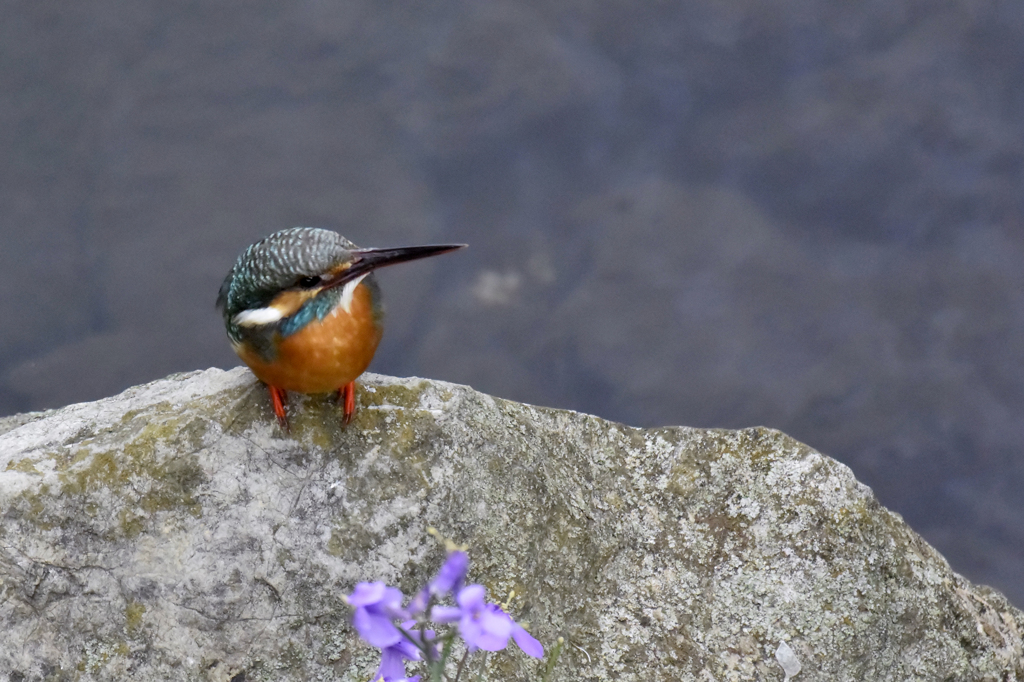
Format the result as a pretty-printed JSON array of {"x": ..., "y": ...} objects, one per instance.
[{"x": 365, "y": 260}]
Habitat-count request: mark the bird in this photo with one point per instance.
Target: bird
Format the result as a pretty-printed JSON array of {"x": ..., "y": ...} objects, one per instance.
[{"x": 303, "y": 310}]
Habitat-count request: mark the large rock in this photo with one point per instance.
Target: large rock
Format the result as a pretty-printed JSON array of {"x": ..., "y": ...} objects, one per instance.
[{"x": 174, "y": 533}]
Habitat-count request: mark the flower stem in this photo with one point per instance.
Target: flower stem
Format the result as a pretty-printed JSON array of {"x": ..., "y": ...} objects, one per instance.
[
  {"x": 552, "y": 659},
  {"x": 437, "y": 668},
  {"x": 462, "y": 663}
]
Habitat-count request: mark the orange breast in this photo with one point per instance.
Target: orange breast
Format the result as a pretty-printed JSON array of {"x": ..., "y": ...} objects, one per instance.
[{"x": 324, "y": 355}]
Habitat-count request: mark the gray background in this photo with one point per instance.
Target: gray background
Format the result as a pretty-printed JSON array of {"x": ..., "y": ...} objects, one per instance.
[{"x": 799, "y": 213}]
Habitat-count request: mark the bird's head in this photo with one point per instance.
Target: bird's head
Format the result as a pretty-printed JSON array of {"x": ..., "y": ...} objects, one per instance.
[{"x": 284, "y": 281}]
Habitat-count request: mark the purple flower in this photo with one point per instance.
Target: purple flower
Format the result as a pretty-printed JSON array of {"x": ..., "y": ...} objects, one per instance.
[
  {"x": 392, "y": 667},
  {"x": 377, "y": 605},
  {"x": 452, "y": 574},
  {"x": 485, "y": 626},
  {"x": 448, "y": 579},
  {"x": 393, "y": 658}
]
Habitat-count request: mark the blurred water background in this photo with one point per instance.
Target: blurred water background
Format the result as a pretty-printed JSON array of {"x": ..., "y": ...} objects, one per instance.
[{"x": 806, "y": 214}]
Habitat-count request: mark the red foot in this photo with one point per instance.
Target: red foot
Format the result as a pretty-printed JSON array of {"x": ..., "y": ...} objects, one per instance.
[
  {"x": 278, "y": 397},
  {"x": 347, "y": 396}
]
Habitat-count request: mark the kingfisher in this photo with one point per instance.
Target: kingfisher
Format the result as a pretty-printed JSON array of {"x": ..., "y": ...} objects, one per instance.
[{"x": 303, "y": 311}]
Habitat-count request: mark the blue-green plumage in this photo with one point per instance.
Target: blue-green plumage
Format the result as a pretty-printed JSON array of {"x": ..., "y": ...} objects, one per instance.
[{"x": 276, "y": 263}]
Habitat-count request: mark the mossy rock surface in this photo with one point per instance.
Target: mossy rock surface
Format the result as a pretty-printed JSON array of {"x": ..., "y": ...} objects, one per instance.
[{"x": 173, "y": 532}]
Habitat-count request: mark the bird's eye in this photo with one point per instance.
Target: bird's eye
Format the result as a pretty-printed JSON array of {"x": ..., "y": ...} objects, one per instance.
[{"x": 309, "y": 282}]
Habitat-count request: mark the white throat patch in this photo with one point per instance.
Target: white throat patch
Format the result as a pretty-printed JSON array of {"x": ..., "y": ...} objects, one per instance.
[
  {"x": 348, "y": 292},
  {"x": 257, "y": 317}
]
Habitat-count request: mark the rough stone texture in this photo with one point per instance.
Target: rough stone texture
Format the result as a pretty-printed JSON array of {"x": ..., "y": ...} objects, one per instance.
[{"x": 173, "y": 533}]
